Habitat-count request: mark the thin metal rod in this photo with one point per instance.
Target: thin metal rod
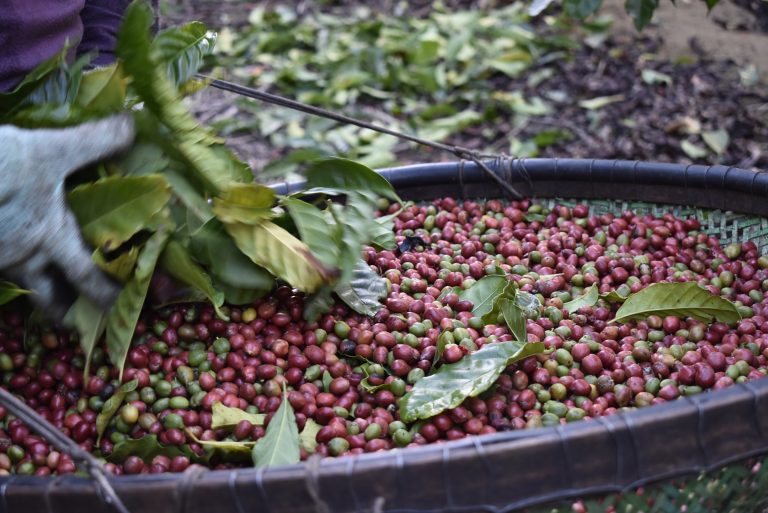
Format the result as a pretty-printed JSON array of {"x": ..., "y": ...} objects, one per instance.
[
  {"x": 93, "y": 466},
  {"x": 460, "y": 151}
]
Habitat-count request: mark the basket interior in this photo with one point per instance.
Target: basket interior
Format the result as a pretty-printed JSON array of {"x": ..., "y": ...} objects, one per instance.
[{"x": 726, "y": 225}]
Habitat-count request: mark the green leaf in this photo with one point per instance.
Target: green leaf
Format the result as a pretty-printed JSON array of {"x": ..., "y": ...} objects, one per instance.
[
  {"x": 13, "y": 99},
  {"x": 144, "y": 158},
  {"x": 112, "y": 405},
  {"x": 493, "y": 316},
  {"x": 232, "y": 168},
  {"x": 372, "y": 389},
  {"x": 383, "y": 236},
  {"x": 280, "y": 444},
  {"x": 327, "y": 378},
  {"x": 679, "y": 299},
  {"x": 641, "y": 11},
  {"x": 120, "y": 267},
  {"x": 357, "y": 225},
  {"x": 308, "y": 435},
  {"x": 692, "y": 150},
  {"x": 286, "y": 166},
  {"x": 228, "y": 448},
  {"x": 102, "y": 89},
  {"x": 426, "y": 49},
  {"x": 10, "y": 291},
  {"x": 124, "y": 314},
  {"x": 213, "y": 169},
  {"x": 317, "y": 229},
  {"x": 318, "y": 303},
  {"x": 177, "y": 262},
  {"x": 90, "y": 322},
  {"x": 536, "y": 217},
  {"x": 601, "y": 101},
  {"x": 529, "y": 305},
  {"x": 196, "y": 204},
  {"x": 614, "y": 297},
  {"x": 514, "y": 318},
  {"x": 717, "y": 140},
  {"x": 229, "y": 266},
  {"x": 241, "y": 295},
  {"x": 47, "y": 115},
  {"x": 112, "y": 210},
  {"x": 146, "y": 448},
  {"x": 483, "y": 293},
  {"x": 60, "y": 90},
  {"x": 589, "y": 298},
  {"x": 519, "y": 105},
  {"x": 438, "y": 129},
  {"x": 182, "y": 49},
  {"x": 347, "y": 175},
  {"x": 512, "y": 69},
  {"x": 282, "y": 254},
  {"x": 227, "y": 417},
  {"x": 449, "y": 290},
  {"x": 363, "y": 291},
  {"x": 445, "y": 338},
  {"x": 453, "y": 383},
  {"x": 654, "y": 77},
  {"x": 548, "y": 138},
  {"x": 248, "y": 203}
]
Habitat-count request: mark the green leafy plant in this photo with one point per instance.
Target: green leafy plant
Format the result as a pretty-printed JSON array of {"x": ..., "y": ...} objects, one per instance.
[{"x": 181, "y": 203}]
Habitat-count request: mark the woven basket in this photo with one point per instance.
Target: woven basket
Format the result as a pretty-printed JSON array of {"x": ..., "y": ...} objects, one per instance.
[{"x": 517, "y": 469}]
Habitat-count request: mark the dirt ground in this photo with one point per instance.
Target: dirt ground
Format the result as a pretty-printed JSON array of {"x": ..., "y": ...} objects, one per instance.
[
  {"x": 717, "y": 64},
  {"x": 734, "y": 29},
  {"x": 729, "y": 31}
]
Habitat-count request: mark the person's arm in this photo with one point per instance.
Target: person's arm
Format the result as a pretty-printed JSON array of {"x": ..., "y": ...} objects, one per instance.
[
  {"x": 101, "y": 21},
  {"x": 40, "y": 243},
  {"x": 32, "y": 31},
  {"x": 41, "y": 247}
]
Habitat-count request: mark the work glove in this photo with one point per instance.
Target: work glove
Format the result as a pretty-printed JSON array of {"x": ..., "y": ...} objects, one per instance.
[{"x": 41, "y": 247}]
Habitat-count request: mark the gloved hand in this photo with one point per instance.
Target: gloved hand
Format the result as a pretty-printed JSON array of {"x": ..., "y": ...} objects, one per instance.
[{"x": 41, "y": 247}]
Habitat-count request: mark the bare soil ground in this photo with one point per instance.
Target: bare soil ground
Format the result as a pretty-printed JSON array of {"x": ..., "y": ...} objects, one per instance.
[
  {"x": 717, "y": 66},
  {"x": 731, "y": 31}
]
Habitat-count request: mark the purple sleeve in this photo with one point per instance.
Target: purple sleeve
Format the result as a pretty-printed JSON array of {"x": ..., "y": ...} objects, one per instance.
[
  {"x": 32, "y": 31},
  {"x": 101, "y": 20}
]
